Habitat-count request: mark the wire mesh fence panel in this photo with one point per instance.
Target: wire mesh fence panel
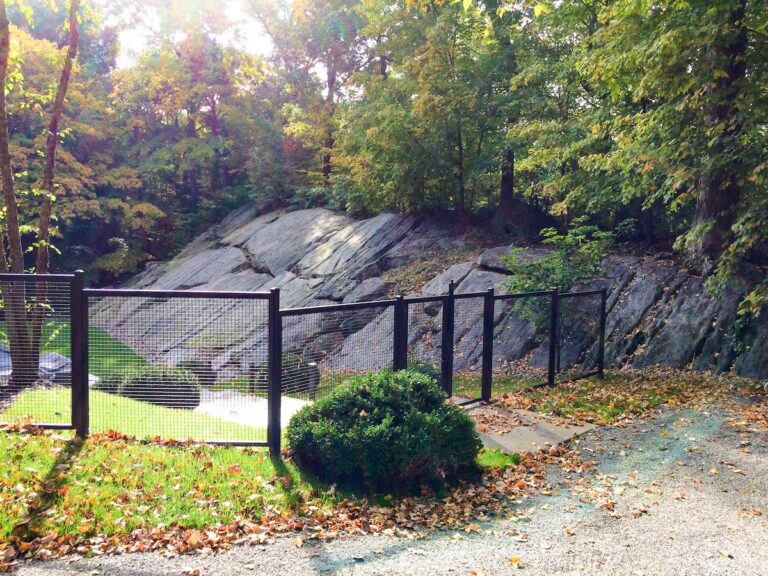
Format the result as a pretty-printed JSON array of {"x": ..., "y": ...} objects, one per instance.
[
  {"x": 184, "y": 367},
  {"x": 578, "y": 335},
  {"x": 468, "y": 347},
  {"x": 425, "y": 324},
  {"x": 35, "y": 351},
  {"x": 323, "y": 348},
  {"x": 520, "y": 342}
]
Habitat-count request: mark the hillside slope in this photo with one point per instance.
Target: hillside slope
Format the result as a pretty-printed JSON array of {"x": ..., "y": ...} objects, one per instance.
[{"x": 658, "y": 313}]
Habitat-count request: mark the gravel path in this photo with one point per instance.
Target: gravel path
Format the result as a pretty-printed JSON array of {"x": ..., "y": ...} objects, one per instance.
[{"x": 691, "y": 498}]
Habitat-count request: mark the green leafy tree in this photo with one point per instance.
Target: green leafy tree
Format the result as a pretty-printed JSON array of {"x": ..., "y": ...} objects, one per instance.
[
  {"x": 574, "y": 260},
  {"x": 25, "y": 318}
]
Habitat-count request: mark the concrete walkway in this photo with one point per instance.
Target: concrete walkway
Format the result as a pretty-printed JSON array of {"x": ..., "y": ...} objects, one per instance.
[
  {"x": 234, "y": 406},
  {"x": 520, "y": 431}
]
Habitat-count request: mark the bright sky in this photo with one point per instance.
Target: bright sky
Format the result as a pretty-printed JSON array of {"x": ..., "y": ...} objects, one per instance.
[{"x": 246, "y": 34}]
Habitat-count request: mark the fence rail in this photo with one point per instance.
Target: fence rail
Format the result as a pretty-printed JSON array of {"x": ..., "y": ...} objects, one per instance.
[{"x": 231, "y": 367}]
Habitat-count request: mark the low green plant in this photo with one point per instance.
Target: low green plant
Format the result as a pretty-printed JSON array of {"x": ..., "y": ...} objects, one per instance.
[
  {"x": 574, "y": 261},
  {"x": 168, "y": 386},
  {"x": 426, "y": 368},
  {"x": 200, "y": 368},
  {"x": 575, "y": 258},
  {"x": 387, "y": 432},
  {"x": 299, "y": 375}
]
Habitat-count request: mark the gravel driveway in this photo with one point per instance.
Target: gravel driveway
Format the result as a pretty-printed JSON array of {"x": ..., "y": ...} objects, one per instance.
[{"x": 690, "y": 493}]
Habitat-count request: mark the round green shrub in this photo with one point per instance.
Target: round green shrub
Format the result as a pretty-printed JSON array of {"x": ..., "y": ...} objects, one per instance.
[
  {"x": 167, "y": 386},
  {"x": 111, "y": 383},
  {"x": 200, "y": 368},
  {"x": 422, "y": 367},
  {"x": 299, "y": 376},
  {"x": 388, "y": 432}
]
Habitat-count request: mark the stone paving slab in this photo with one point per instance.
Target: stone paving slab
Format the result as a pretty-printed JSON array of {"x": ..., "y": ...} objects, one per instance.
[{"x": 520, "y": 431}]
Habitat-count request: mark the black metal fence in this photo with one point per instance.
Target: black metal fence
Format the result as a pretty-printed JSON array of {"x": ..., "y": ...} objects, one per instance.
[
  {"x": 37, "y": 317},
  {"x": 205, "y": 355},
  {"x": 233, "y": 367}
]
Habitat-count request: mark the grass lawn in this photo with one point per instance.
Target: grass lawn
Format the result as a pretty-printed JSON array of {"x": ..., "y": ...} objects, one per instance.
[
  {"x": 623, "y": 395},
  {"x": 128, "y": 416},
  {"x": 110, "y": 487},
  {"x": 106, "y": 355},
  {"x": 54, "y": 484},
  {"x": 469, "y": 385}
]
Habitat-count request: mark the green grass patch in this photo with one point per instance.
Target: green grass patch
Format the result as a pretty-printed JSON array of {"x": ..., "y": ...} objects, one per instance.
[
  {"x": 54, "y": 484},
  {"x": 470, "y": 385},
  {"x": 27, "y": 462},
  {"x": 106, "y": 487},
  {"x": 140, "y": 419},
  {"x": 106, "y": 356},
  {"x": 491, "y": 459}
]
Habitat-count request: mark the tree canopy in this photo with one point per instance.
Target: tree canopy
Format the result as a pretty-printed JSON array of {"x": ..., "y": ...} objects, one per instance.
[{"x": 518, "y": 115}]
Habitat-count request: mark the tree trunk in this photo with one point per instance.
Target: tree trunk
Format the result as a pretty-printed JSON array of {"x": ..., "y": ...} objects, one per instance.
[
  {"x": 44, "y": 229},
  {"x": 24, "y": 339},
  {"x": 507, "y": 185},
  {"x": 330, "y": 109},
  {"x": 382, "y": 61},
  {"x": 719, "y": 190},
  {"x": 24, "y": 371},
  {"x": 16, "y": 261},
  {"x": 52, "y": 139},
  {"x": 461, "y": 196},
  {"x": 215, "y": 167},
  {"x": 513, "y": 215}
]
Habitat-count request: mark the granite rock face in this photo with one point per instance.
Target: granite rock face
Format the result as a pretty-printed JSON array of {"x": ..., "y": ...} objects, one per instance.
[{"x": 658, "y": 313}]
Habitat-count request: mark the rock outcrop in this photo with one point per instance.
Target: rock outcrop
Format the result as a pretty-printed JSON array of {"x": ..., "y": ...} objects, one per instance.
[{"x": 658, "y": 313}]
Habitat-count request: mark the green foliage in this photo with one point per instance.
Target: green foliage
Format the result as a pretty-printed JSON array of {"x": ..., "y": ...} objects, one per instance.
[
  {"x": 389, "y": 432},
  {"x": 202, "y": 370},
  {"x": 300, "y": 375},
  {"x": 626, "y": 109},
  {"x": 421, "y": 367},
  {"x": 169, "y": 386},
  {"x": 575, "y": 258}
]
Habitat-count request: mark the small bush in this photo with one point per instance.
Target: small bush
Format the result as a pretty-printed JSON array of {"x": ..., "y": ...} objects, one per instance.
[
  {"x": 425, "y": 368},
  {"x": 168, "y": 386},
  {"x": 389, "y": 432},
  {"x": 109, "y": 383},
  {"x": 299, "y": 375},
  {"x": 200, "y": 368}
]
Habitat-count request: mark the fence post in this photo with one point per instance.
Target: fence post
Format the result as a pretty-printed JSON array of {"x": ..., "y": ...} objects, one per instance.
[
  {"x": 553, "y": 336},
  {"x": 78, "y": 310},
  {"x": 400, "y": 345},
  {"x": 601, "y": 343},
  {"x": 488, "y": 313},
  {"x": 275, "y": 369},
  {"x": 446, "y": 364}
]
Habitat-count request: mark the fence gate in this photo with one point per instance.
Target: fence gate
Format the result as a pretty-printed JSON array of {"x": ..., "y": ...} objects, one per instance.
[{"x": 40, "y": 325}]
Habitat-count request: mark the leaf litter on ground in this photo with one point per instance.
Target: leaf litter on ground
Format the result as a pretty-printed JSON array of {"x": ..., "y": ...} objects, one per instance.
[{"x": 281, "y": 503}]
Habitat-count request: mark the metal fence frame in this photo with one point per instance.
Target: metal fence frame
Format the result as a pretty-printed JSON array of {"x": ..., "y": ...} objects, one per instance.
[
  {"x": 273, "y": 347},
  {"x": 75, "y": 282},
  {"x": 80, "y": 322}
]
